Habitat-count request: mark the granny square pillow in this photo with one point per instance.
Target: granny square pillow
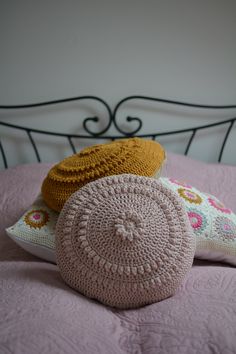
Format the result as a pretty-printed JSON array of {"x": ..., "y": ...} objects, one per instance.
[
  {"x": 134, "y": 155},
  {"x": 214, "y": 224},
  {"x": 124, "y": 240},
  {"x": 35, "y": 231}
]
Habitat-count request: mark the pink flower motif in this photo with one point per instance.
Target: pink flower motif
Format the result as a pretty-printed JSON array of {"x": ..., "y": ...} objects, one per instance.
[
  {"x": 179, "y": 183},
  {"x": 36, "y": 218},
  {"x": 219, "y": 206},
  {"x": 197, "y": 220}
]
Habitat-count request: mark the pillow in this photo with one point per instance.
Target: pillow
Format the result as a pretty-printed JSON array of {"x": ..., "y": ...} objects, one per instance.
[
  {"x": 217, "y": 179},
  {"x": 214, "y": 224},
  {"x": 134, "y": 155},
  {"x": 34, "y": 231},
  {"x": 124, "y": 240}
]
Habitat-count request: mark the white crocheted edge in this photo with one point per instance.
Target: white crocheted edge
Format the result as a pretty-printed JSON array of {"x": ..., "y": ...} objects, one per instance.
[
  {"x": 215, "y": 256},
  {"x": 35, "y": 249}
]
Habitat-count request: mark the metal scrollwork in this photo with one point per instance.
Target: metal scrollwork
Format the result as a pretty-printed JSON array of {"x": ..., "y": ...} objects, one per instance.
[
  {"x": 135, "y": 123},
  {"x": 97, "y": 120},
  {"x": 137, "y": 120}
]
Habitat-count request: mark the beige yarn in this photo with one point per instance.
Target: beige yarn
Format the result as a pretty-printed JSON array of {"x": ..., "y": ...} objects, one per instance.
[{"x": 124, "y": 240}]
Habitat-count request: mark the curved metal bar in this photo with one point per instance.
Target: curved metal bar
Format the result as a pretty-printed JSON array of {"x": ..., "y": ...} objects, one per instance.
[
  {"x": 179, "y": 103},
  {"x": 110, "y": 137},
  {"x": 96, "y": 120},
  {"x": 47, "y": 132},
  {"x": 72, "y": 145},
  {"x": 34, "y": 145},
  {"x": 154, "y": 99},
  {"x": 128, "y": 119},
  {"x": 3, "y": 155},
  {"x": 52, "y": 102},
  {"x": 225, "y": 140},
  {"x": 135, "y": 119},
  {"x": 190, "y": 141},
  {"x": 64, "y": 100},
  {"x": 200, "y": 127}
]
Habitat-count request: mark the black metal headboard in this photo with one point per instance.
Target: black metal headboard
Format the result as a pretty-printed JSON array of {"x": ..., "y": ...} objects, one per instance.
[{"x": 113, "y": 123}]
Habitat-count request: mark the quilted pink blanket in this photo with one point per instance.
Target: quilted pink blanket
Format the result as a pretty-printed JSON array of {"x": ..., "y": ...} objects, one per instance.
[{"x": 40, "y": 314}]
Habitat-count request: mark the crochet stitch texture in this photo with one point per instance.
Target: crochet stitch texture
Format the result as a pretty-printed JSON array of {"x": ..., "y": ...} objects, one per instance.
[
  {"x": 134, "y": 155},
  {"x": 124, "y": 240},
  {"x": 213, "y": 223}
]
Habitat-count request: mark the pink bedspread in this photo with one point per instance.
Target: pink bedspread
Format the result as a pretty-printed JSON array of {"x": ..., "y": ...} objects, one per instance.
[{"x": 40, "y": 314}]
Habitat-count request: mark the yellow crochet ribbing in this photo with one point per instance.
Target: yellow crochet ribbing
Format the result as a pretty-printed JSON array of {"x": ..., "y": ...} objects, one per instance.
[{"x": 135, "y": 156}]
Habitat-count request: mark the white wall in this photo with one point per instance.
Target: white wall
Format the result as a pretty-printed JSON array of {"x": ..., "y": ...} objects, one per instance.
[
  {"x": 177, "y": 49},
  {"x": 183, "y": 49}
]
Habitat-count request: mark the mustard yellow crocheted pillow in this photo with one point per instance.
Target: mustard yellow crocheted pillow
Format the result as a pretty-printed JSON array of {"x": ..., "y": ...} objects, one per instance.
[{"x": 135, "y": 155}]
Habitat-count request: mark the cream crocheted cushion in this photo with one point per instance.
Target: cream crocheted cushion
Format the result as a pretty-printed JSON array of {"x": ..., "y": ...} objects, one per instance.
[
  {"x": 124, "y": 240},
  {"x": 35, "y": 230},
  {"x": 214, "y": 224}
]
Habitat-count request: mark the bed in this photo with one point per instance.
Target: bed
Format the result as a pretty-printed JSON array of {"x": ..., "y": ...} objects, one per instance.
[{"x": 39, "y": 313}]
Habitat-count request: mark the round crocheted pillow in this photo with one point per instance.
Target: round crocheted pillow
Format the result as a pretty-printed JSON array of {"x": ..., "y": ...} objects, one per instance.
[
  {"x": 134, "y": 155},
  {"x": 124, "y": 240}
]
